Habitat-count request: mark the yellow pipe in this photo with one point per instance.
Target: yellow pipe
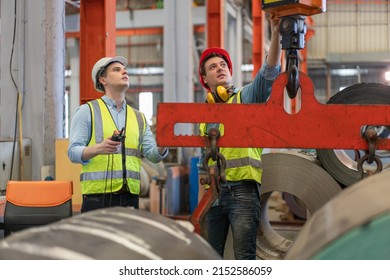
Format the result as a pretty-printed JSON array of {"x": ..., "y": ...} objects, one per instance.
[{"x": 21, "y": 167}]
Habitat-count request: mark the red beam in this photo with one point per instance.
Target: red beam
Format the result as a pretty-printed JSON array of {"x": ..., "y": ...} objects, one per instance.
[
  {"x": 258, "y": 36},
  {"x": 214, "y": 23},
  {"x": 139, "y": 31},
  {"x": 316, "y": 125},
  {"x": 97, "y": 39},
  {"x": 75, "y": 34}
]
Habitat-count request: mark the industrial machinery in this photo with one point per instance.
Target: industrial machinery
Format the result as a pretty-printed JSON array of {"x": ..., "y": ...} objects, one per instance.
[{"x": 314, "y": 126}]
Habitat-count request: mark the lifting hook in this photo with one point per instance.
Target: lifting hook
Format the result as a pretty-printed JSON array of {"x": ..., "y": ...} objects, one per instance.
[{"x": 293, "y": 30}]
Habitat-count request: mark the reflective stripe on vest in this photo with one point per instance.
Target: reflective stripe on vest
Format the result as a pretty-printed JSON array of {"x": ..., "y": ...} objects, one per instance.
[
  {"x": 241, "y": 163},
  {"x": 104, "y": 174}
]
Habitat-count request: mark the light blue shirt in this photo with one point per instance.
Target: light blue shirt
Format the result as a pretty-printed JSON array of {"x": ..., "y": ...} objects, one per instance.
[
  {"x": 81, "y": 129},
  {"x": 259, "y": 90}
]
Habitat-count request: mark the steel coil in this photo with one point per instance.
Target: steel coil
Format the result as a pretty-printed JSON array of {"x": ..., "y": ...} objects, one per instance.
[
  {"x": 341, "y": 164},
  {"x": 300, "y": 177},
  {"x": 111, "y": 233},
  {"x": 352, "y": 225}
]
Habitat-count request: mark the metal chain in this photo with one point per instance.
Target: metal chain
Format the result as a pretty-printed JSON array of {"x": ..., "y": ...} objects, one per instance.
[
  {"x": 371, "y": 135},
  {"x": 218, "y": 169},
  {"x": 216, "y": 173}
]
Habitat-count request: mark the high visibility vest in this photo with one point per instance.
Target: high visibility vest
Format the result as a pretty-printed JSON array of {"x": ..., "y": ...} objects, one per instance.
[
  {"x": 104, "y": 173},
  {"x": 241, "y": 163}
]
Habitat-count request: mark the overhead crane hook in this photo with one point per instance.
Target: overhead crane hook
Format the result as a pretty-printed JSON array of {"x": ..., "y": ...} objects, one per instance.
[
  {"x": 292, "y": 14},
  {"x": 293, "y": 30}
]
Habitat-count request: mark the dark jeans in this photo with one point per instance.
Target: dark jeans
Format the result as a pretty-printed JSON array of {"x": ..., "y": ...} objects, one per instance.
[
  {"x": 98, "y": 201},
  {"x": 239, "y": 206}
]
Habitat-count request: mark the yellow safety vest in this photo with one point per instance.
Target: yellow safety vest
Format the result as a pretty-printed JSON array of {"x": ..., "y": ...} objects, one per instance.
[
  {"x": 241, "y": 163},
  {"x": 104, "y": 173}
]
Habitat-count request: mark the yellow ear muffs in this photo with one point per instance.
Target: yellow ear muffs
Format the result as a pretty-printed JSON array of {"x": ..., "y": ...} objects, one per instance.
[
  {"x": 223, "y": 93},
  {"x": 210, "y": 98},
  {"x": 221, "y": 96}
]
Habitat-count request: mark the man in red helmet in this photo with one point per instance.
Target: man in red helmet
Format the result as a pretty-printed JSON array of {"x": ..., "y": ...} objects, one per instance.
[{"x": 238, "y": 204}]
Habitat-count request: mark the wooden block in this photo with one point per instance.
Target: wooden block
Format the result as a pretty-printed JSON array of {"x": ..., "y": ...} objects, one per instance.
[{"x": 65, "y": 170}]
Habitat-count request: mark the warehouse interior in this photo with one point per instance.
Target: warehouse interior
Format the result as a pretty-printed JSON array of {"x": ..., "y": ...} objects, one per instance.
[{"x": 325, "y": 185}]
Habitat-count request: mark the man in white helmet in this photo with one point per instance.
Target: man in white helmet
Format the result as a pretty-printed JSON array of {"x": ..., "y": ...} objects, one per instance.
[{"x": 108, "y": 137}]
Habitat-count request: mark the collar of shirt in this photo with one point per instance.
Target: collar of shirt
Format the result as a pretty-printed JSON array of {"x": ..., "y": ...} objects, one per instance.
[{"x": 111, "y": 103}]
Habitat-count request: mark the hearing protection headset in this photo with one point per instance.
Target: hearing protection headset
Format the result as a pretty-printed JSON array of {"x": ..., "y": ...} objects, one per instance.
[{"x": 221, "y": 96}]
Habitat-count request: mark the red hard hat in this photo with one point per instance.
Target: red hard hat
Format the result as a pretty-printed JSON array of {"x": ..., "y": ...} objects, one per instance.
[{"x": 206, "y": 55}]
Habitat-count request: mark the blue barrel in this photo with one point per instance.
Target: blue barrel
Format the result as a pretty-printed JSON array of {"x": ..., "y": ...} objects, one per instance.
[
  {"x": 194, "y": 186},
  {"x": 177, "y": 193}
]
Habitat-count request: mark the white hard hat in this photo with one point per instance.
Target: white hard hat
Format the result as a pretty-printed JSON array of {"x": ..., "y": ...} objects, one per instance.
[{"x": 99, "y": 67}]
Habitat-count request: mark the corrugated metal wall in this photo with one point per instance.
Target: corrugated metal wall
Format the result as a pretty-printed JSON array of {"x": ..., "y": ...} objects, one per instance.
[
  {"x": 351, "y": 28},
  {"x": 351, "y": 35}
]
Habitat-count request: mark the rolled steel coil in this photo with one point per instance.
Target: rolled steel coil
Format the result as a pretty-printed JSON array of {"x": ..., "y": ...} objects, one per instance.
[
  {"x": 300, "y": 177},
  {"x": 353, "y": 225},
  {"x": 150, "y": 170},
  {"x": 108, "y": 234},
  {"x": 341, "y": 163}
]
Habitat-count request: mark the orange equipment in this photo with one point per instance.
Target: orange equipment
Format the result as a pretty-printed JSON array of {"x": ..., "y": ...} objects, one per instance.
[
  {"x": 282, "y": 8},
  {"x": 36, "y": 203}
]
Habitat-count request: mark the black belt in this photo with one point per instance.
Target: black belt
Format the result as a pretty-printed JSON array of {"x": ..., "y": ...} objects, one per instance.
[
  {"x": 113, "y": 193},
  {"x": 232, "y": 184}
]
